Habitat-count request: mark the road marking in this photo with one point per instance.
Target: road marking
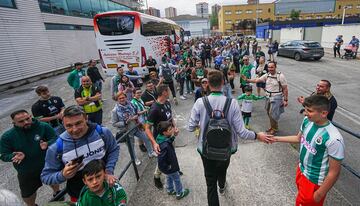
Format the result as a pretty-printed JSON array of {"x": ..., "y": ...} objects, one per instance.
[{"x": 341, "y": 110}]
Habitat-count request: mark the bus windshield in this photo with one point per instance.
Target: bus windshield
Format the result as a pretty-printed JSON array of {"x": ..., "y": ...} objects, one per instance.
[{"x": 116, "y": 25}]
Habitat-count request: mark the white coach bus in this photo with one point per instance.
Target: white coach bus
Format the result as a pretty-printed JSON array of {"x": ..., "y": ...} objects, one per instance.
[{"x": 129, "y": 37}]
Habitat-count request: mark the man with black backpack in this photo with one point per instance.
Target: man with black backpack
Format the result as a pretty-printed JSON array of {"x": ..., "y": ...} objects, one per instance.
[
  {"x": 220, "y": 123},
  {"x": 82, "y": 142},
  {"x": 166, "y": 73}
]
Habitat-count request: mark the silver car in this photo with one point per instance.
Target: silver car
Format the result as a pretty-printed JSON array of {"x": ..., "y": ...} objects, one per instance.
[{"x": 300, "y": 49}]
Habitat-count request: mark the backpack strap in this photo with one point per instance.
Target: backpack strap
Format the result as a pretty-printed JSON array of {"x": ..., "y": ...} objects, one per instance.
[
  {"x": 207, "y": 105},
  {"x": 227, "y": 106},
  {"x": 99, "y": 130},
  {"x": 59, "y": 148}
]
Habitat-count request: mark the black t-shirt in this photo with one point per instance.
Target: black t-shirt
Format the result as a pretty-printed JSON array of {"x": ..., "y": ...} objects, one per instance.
[
  {"x": 159, "y": 112},
  {"x": 94, "y": 74},
  {"x": 150, "y": 62},
  {"x": 48, "y": 108},
  {"x": 148, "y": 96}
]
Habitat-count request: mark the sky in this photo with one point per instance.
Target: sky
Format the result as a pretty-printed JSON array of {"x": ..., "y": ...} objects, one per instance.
[{"x": 188, "y": 6}]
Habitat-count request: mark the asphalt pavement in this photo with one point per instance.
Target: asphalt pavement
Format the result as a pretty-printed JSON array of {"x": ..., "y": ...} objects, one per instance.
[{"x": 259, "y": 174}]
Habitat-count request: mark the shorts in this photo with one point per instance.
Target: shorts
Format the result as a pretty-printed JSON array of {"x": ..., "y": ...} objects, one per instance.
[
  {"x": 261, "y": 84},
  {"x": 246, "y": 114},
  {"x": 306, "y": 189},
  {"x": 29, "y": 183}
]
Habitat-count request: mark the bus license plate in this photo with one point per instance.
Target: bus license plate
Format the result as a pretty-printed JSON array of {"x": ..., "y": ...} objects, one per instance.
[
  {"x": 135, "y": 64},
  {"x": 111, "y": 66}
]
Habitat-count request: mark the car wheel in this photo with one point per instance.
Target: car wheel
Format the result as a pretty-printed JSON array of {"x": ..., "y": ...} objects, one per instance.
[
  {"x": 297, "y": 57},
  {"x": 317, "y": 58}
]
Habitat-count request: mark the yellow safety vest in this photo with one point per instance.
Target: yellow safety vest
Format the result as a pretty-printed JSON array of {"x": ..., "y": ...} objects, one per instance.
[{"x": 91, "y": 107}]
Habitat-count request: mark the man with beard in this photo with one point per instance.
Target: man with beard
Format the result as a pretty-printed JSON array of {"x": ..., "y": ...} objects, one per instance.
[{"x": 25, "y": 146}]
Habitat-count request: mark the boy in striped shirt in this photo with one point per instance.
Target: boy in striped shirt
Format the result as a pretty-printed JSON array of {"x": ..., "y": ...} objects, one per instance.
[{"x": 321, "y": 152}]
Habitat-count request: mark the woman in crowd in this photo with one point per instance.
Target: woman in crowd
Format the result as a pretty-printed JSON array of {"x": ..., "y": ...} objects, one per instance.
[
  {"x": 126, "y": 86},
  {"x": 204, "y": 89}
]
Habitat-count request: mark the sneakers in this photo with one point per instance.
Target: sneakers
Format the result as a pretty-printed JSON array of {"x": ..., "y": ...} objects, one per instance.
[
  {"x": 222, "y": 190},
  {"x": 56, "y": 193},
  {"x": 182, "y": 97},
  {"x": 142, "y": 148},
  {"x": 158, "y": 183},
  {"x": 171, "y": 192},
  {"x": 153, "y": 154},
  {"x": 137, "y": 162},
  {"x": 183, "y": 194},
  {"x": 175, "y": 101}
]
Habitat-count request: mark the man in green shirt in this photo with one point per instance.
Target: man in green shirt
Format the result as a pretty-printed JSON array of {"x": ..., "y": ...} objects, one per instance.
[
  {"x": 246, "y": 70},
  {"x": 25, "y": 146},
  {"x": 74, "y": 78}
]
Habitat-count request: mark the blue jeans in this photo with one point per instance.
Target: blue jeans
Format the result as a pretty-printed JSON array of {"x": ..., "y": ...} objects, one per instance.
[
  {"x": 174, "y": 179},
  {"x": 98, "y": 84},
  {"x": 227, "y": 90},
  {"x": 188, "y": 86},
  {"x": 141, "y": 135}
]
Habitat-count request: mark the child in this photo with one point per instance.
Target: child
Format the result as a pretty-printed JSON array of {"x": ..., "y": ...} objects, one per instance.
[
  {"x": 96, "y": 190},
  {"x": 246, "y": 106},
  {"x": 167, "y": 160},
  {"x": 321, "y": 152}
]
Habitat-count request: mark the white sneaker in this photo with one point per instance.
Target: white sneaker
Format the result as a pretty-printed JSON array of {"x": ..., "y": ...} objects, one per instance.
[
  {"x": 184, "y": 95},
  {"x": 153, "y": 154},
  {"x": 137, "y": 162},
  {"x": 182, "y": 98},
  {"x": 191, "y": 92}
]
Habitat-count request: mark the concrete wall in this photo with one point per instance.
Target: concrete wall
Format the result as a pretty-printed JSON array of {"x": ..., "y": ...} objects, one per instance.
[
  {"x": 329, "y": 34},
  {"x": 288, "y": 34},
  {"x": 28, "y": 49},
  {"x": 197, "y": 28},
  {"x": 313, "y": 33},
  {"x": 276, "y": 34}
]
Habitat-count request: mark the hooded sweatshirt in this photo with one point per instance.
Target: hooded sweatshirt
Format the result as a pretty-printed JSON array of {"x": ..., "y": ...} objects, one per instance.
[
  {"x": 91, "y": 145},
  {"x": 113, "y": 196},
  {"x": 27, "y": 141}
]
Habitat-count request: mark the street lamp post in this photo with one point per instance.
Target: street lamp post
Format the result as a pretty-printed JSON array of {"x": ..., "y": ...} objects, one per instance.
[{"x": 343, "y": 17}]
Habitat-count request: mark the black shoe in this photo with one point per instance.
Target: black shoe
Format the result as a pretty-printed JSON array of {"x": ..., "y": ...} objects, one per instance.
[
  {"x": 158, "y": 183},
  {"x": 142, "y": 148},
  {"x": 222, "y": 190},
  {"x": 61, "y": 199},
  {"x": 181, "y": 173}
]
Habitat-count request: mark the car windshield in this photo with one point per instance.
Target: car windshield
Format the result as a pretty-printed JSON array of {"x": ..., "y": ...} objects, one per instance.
[{"x": 312, "y": 44}]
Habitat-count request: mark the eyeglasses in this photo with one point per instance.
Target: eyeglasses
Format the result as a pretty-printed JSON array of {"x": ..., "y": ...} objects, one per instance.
[
  {"x": 245, "y": 60},
  {"x": 204, "y": 82},
  {"x": 271, "y": 67}
]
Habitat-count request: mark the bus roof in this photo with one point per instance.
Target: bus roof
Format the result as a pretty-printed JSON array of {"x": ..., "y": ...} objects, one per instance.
[{"x": 135, "y": 13}]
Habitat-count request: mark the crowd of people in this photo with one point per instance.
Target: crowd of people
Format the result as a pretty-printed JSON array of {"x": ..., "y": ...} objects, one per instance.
[{"x": 69, "y": 144}]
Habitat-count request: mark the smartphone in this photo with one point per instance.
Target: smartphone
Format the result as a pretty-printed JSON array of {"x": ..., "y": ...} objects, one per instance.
[{"x": 78, "y": 160}]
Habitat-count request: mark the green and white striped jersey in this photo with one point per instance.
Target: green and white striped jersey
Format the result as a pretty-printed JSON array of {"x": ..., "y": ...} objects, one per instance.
[{"x": 317, "y": 143}]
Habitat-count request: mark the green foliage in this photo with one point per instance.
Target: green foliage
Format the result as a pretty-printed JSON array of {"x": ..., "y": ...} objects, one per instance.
[
  {"x": 295, "y": 14},
  {"x": 214, "y": 20}
]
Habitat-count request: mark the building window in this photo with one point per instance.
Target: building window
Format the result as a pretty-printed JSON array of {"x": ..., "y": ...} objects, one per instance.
[
  {"x": 339, "y": 6},
  {"x": 269, "y": 10},
  {"x": 328, "y": 17},
  {"x": 237, "y": 21},
  {"x": 318, "y": 17},
  {"x": 51, "y": 26},
  {"x": 259, "y": 11},
  {"x": 358, "y": 6},
  {"x": 249, "y": 11},
  {"x": 228, "y": 30},
  {"x": 308, "y": 17},
  {"x": 349, "y": 6},
  {"x": 238, "y": 12},
  {"x": 228, "y": 22},
  {"x": 228, "y": 12},
  {"x": 7, "y": 3},
  {"x": 278, "y": 18}
]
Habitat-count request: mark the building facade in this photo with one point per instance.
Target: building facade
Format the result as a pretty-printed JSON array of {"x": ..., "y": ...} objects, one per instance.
[
  {"x": 193, "y": 26},
  {"x": 229, "y": 16},
  {"x": 39, "y": 37},
  {"x": 170, "y": 12},
  {"x": 202, "y": 10},
  {"x": 215, "y": 9},
  {"x": 153, "y": 11}
]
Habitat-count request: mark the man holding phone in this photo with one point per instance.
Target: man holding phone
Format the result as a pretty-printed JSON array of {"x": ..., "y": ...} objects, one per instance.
[{"x": 81, "y": 142}]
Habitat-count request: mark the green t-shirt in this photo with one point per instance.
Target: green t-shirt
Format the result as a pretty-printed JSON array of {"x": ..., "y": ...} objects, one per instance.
[
  {"x": 246, "y": 71},
  {"x": 113, "y": 196}
]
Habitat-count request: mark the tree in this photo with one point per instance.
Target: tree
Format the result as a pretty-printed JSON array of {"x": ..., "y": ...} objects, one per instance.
[
  {"x": 295, "y": 14},
  {"x": 213, "y": 20}
]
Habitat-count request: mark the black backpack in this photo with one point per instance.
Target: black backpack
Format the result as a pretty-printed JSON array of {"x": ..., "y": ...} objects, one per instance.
[
  {"x": 167, "y": 73},
  {"x": 217, "y": 138}
]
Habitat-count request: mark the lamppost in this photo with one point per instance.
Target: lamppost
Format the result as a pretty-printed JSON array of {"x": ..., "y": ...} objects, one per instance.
[{"x": 343, "y": 17}]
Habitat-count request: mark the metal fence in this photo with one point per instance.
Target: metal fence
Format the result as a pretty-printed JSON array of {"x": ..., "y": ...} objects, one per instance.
[
  {"x": 355, "y": 134},
  {"x": 124, "y": 138}
]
